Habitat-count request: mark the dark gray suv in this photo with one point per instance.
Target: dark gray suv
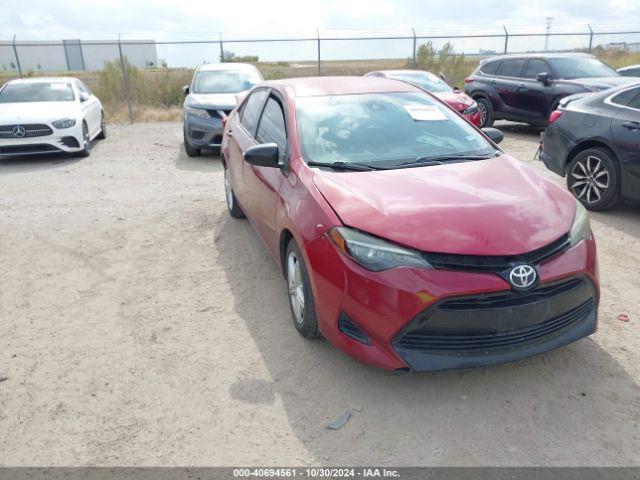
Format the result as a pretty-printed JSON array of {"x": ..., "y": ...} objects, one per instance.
[{"x": 527, "y": 88}]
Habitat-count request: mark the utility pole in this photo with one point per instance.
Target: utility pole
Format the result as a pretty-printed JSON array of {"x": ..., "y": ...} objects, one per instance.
[{"x": 546, "y": 38}]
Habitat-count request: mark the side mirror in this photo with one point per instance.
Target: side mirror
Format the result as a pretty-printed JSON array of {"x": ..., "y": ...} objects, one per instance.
[
  {"x": 84, "y": 97},
  {"x": 186, "y": 90},
  {"x": 263, "y": 155},
  {"x": 494, "y": 134},
  {"x": 544, "y": 77}
]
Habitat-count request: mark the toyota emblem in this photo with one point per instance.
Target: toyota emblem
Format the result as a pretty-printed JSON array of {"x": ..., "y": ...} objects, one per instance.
[
  {"x": 19, "y": 131},
  {"x": 523, "y": 277}
]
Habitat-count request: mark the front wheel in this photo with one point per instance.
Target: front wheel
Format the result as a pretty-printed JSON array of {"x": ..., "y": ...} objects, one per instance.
[
  {"x": 191, "y": 151},
  {"x": 593, "y": 178},
  {"x": 486, "y": 112},
  {"x": 86, "y": 140},
  {"x": 303, "y": 309}
]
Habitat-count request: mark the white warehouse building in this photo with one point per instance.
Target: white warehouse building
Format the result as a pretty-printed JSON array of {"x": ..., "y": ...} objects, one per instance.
[{"x": 74, "y": 55}]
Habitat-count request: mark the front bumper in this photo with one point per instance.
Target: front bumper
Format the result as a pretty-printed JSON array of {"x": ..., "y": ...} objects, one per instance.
[
  {"x": 67, "y": 140},
  {"x": 398, "y": 313},
  {"x": 203, "y": 132}
]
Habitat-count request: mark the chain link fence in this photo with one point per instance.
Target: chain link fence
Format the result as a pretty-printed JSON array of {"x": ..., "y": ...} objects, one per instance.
[{"x": 140, "y": 77}]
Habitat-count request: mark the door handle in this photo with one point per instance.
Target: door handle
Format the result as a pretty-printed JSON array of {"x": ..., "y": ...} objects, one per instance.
[
  {"x": 633, "y": 126},
  {"x": 521, "y": 88}
]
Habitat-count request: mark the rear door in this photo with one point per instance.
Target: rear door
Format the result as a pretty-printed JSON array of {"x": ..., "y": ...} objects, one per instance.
[
  {"x": 534, "y": 97},
  {"x": 507, "y": 82},
  {"x": 263, "y": 183},
  {"x": 240, "y": 136},
  {"x": 625, "y": 130}
]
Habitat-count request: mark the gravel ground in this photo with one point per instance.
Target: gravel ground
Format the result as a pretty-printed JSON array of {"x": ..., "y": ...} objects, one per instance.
[{"x": 141, "y": 325}]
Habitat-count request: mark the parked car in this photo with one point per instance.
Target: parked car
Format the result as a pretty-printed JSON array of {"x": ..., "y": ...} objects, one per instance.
[
  {"x": 209, "y": 99},
  {"x": 381, "y": 206},
  {"x": 49, "y": 115},
  {"x": 452, "y": 96},
  {"x": 527, "y": 88},
  {"x": 594, "y": 140},
  {"x": 630, "y": 71}
]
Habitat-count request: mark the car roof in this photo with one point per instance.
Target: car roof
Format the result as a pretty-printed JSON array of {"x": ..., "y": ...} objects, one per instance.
[
  {"x": 406, "y": 72},
  {"x": 538, "y": 55},
  {"x": 43, "y": 80},
  {"x": 320, "y": 86},
  {"x": 212, "y": 67}
]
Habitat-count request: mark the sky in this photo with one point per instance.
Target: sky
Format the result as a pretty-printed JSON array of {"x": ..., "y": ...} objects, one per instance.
[{"x": 170, "y": 19}]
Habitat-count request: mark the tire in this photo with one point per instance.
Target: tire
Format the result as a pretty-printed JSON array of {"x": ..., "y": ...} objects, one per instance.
[
  {"x": 301, "y": 304},
  {"x": 232, "y": 202},
  {"x": 486, "y": 112},
  {"x": 593, "y": 177},
  {"x": 86, "y": 150},
  {"x": 103, "y": 129},
  {"x": 191, "y": 151}
]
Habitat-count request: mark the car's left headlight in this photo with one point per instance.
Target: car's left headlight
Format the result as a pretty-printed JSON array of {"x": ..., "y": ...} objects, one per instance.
[
  {"x": 581, "y": 228},
  {"x": 471, "y": 110},
  {"x": 198, "y": 112},
  {"x": 374, "y": 253},
  {"x": 65, "y": 123}
]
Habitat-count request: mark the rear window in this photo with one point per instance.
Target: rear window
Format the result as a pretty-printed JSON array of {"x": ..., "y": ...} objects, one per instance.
[
  {"x": 490, "y": 68},
  {"x": 512, "y": 67},
  {"x": 628, "y": 98},
  {"x": 36, "y": 92}
]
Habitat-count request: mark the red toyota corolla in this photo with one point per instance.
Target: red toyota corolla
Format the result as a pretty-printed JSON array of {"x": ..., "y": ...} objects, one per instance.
[
  {"x": 455, "y": 98},
  {"x": 407, "y": 238}
]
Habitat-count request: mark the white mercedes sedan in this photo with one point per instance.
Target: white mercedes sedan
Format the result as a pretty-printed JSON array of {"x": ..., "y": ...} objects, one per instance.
[{"x": 49, "y": 115}]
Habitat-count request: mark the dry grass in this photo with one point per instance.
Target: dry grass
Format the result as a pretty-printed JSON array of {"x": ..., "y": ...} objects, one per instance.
[{"x": 156, "y": 94}]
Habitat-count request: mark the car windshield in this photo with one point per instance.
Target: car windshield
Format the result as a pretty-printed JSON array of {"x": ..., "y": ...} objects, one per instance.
[
  {"x": 224, "y": 81},
  {"x": 36, "y": 92},
  {"x": 428, "y": 81},
  {"x": 569, "y": 68},
  {"x": 384, "y": 128}
]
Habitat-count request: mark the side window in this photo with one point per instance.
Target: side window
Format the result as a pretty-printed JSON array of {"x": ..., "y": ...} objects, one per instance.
[
  {"x": 628, "y": 98},
  {"x": 272, "y": 128},
  {"x": 251, "y": 110},
  {"x": 534, "y": 67},
  {"x": 512, "y": 67},
  {"x": 490, "y": 68}
]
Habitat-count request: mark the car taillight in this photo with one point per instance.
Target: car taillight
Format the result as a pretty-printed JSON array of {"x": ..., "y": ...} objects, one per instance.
[
  {"x": 468, "y": 80},
  {"x": 555, "y": 115}
]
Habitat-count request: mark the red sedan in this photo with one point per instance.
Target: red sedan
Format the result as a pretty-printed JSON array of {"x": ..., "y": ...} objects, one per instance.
[
  {"x": 455, "y": 98},
  {"x": 407, "y": 238}
]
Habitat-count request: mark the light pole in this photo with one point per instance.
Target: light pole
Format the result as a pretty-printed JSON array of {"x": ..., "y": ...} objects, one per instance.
[{"x": 546, "y": 38}]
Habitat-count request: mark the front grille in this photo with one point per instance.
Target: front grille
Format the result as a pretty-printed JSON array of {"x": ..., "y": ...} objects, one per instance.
[
  {"x": 488, "y": 323},
  {"x": 219, "y": 113},
  {"x": 493, "y": 263},
  {"x": 30, "y": 131},
  {"x": 497, "y": 339},
  {"x": 27, "y": 149}
]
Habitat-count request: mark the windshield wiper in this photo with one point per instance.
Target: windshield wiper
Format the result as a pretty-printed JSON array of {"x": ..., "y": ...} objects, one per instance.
[
  {"x": 339, "y": 165},
  {"x": 424, "y": 161}
]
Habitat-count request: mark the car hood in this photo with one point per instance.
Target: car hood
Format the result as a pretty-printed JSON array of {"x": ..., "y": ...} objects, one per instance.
[
  {"x": 602, "y": 83},
  {"x": 487, "y": 207},
  {"x": 36, "y": 112},
  {"x": 224, "y": 101},
  {"x": 457, "y": 100}
]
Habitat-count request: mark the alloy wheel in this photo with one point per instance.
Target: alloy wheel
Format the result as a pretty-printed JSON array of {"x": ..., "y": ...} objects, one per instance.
[
  {"x": 228, "y": 190},
  {"x": 590, "y": 179},
  {"x": 296, "y": 287},
  {"x": 483, "y": 113}
]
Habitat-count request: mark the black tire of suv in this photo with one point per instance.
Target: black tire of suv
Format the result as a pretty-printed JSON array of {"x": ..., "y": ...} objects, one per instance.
[{"x": 484, "y": 103}]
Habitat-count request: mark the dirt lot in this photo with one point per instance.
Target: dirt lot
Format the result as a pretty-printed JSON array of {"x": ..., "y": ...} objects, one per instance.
[{"x": 141, "y": 325}]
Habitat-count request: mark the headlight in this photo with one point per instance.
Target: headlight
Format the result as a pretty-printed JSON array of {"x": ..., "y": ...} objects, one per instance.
[
  {"x": 473, "y": 109},
  {"x": 198, "y": 112},
  {"x": 373, "y": 253},
  {"x": 581, "y": 229},
  {"x": 65, "y": 123}
]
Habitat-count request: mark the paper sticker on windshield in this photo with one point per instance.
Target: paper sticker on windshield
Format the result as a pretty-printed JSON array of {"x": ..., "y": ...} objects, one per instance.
[{"x": 428, "y": 113}]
